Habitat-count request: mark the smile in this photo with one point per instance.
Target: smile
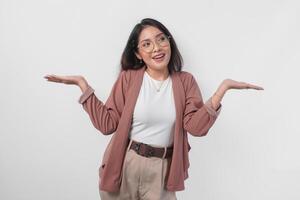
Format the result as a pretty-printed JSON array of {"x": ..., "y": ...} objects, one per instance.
[{"x": 159, "y": 57}]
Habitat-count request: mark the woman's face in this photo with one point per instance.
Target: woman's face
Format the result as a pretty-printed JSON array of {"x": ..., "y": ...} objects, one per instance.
[{"x": 154, "y": 48}]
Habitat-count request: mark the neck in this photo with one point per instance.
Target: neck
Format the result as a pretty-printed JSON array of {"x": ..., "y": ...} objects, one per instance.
[{"x": 159, "y": 75}]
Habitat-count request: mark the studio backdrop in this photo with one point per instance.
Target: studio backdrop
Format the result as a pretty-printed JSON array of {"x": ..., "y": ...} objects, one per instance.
[{"x": 49, "y": 148}]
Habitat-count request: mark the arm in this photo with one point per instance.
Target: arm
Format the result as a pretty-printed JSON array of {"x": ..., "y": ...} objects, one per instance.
[
  {"x": 105, "y": 117},
  {"x": 199, "y": 116},
  {"x": 218, "y": 96}
]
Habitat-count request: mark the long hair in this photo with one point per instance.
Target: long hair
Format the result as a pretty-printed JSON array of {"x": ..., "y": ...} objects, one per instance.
[{"x": 129, "y": 59}]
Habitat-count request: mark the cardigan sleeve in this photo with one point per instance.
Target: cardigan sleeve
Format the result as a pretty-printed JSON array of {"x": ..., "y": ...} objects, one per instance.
[
  {"x": 198, "y": 116},
  {"x": 105, "y": 116}
]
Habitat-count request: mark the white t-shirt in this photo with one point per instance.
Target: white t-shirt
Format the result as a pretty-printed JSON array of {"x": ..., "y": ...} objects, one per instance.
[{"x": 154, "y": 114}]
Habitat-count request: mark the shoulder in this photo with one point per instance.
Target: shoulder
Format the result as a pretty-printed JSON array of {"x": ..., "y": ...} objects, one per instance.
[
  {"x": 128, "y": 74},
  {"x": 125, "y": 75},
  {"x": 185, "y": 75},
  {"x": 186, "y": 78},
  {"x": 131, "y": 73}
]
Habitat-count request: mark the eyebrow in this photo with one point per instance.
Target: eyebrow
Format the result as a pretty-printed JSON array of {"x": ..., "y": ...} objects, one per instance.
[{"x": 155, "y": 36}]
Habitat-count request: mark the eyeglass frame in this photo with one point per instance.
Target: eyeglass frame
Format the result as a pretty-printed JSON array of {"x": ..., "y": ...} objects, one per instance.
[{"x": 167, "y": 36}]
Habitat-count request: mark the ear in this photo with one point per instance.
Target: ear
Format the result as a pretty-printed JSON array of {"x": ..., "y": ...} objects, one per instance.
[{"x": 138, "y": 55}]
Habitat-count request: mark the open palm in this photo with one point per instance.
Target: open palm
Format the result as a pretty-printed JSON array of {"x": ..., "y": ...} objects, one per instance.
[
  {"x": 232, "y": 84},
  {"x": 64, "y": 79}
]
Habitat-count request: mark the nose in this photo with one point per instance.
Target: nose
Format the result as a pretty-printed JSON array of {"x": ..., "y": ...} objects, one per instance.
[{"x": 156, "y": 46}]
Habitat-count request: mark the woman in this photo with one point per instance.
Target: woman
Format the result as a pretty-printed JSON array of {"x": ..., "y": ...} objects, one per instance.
[{"x": 151, "y": 107}]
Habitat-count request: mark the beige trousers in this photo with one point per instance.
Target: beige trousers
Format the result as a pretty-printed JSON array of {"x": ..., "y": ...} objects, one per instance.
[{"x": 143, "y": 178}]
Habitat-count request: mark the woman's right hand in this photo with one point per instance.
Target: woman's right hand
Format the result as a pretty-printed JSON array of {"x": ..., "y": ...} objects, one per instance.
[{"x": 70, "y": 80}]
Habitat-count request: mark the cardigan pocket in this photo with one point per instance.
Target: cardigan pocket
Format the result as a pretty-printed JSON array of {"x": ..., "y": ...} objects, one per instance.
[{"x": 105, "y": 156}]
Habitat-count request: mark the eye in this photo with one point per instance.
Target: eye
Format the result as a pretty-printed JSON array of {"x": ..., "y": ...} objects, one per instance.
[
  {"x": 146, "y": 44},
  {"x": 162, "y": 38}
]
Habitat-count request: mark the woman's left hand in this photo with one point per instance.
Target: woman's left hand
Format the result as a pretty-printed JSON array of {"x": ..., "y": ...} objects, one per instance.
[{"x": 232, "y": 84}]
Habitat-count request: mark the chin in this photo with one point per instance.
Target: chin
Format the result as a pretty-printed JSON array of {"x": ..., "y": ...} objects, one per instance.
[{"x": 159, "y": 66}]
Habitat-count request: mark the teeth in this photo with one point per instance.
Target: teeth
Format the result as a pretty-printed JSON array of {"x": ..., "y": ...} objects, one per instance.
[{"x": 159, "y": 56}]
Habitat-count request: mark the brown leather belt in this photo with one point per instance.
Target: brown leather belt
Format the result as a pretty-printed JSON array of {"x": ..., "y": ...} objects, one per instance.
[{"x": 148, "y": 151}]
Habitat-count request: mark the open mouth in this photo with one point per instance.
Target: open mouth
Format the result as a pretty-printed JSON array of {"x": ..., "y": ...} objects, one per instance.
[{"x": 159, "y": 57}]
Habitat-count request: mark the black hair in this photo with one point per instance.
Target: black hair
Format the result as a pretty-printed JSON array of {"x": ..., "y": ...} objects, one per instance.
[{"x": 129, "y": 59}]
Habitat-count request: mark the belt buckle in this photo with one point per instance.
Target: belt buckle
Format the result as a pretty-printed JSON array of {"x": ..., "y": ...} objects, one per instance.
[
  {"x": 137, "y": 147},
  {"x": 150, "y": 152}
]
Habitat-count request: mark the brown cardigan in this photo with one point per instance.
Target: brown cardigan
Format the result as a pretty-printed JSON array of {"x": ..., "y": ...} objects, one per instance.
[{"x": 115, "y": 116}]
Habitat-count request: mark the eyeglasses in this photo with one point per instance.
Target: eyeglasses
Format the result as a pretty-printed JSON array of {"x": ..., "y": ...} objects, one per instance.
[{"x": 148, "y": 46}]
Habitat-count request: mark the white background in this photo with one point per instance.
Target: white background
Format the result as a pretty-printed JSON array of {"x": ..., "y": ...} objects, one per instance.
[{"x": 49, "y": 148}]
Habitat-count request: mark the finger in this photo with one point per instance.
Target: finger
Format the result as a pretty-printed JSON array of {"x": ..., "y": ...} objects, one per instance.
[
  {"x": 55, "y": 76},
  {"x": 258, "y": 88},
  {"x": 48, "y": 76},
  {"x": 57, "y": 81},
  {"x": 54, "y": 80},
  {"x": 255, "y": 87}
]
